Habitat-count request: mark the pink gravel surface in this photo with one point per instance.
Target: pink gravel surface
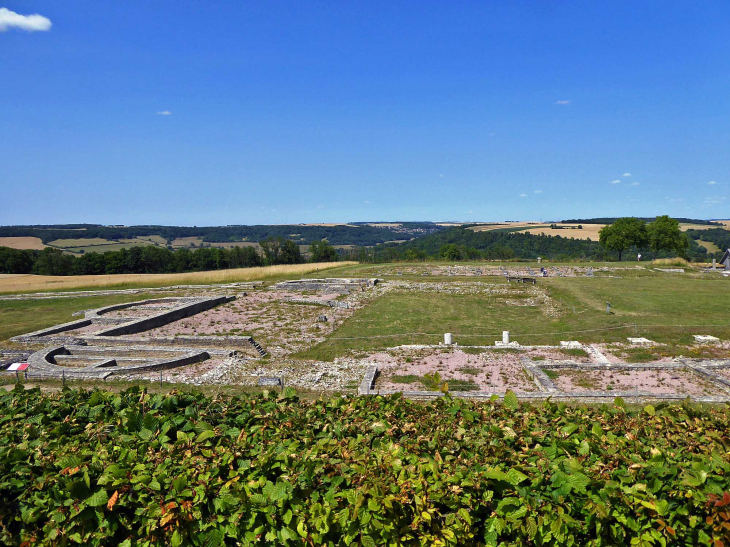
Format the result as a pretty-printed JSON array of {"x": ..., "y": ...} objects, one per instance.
[
  {"x": 281, "y": 327},
  {"x": 653, "y": 381},
  {"x": 725, "y": 372},
  {"x": 490, "y": 371},
  {"x": 84, "y": 331}
]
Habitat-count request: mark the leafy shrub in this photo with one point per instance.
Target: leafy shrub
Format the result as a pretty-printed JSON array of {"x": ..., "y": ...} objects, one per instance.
[{"x": 99, "y": 468}]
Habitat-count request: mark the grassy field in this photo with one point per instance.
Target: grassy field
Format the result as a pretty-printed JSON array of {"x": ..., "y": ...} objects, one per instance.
[
  {"x": 709, "y": 245},
  {"x": 38, "y": 283},
  {"x": 23, "y": 316},
  {"x": 80, "y": 242},
  {"x": 664, "y": 308}
]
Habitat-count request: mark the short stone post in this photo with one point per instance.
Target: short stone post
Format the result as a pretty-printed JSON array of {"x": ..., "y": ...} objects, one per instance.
[
  {"x": 505, "y": 337},
  {"x": 448, "y": 339},
  {"x": 714, "y": 267}
]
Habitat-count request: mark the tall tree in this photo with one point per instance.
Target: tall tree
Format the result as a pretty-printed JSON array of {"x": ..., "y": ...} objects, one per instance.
[
  {"x": 322, "y": 251},
  {"x": 623, "y": 234},
  {"x": 665, "y": 235}
]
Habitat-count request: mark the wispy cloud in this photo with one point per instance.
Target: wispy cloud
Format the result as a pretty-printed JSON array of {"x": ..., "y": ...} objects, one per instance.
[
  {"x": 627, "y": 174},
  {"x": 366, "y": 202},
  {"x": 562, "y": 103},
  {"x": 164, "y": 113},
  {"x": 616, "y": 181},
  {"x": 31, "y": 23},
  {"x": 538, "y": 192},
  {"x": 523, "y": 195},
  {"x": 634, "y": 184},
  {"x": 441, "y": 175},
  {"x": 712, "y": 183},
  {"x": 714, "y": 200},
  {"x": 320, "y": 206},
  {"x": 470, "y": 212}
]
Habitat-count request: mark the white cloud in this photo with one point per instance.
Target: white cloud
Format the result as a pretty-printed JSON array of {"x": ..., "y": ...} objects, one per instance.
[
  {"x": 366, "y": 202},
  {"x": 616, "y": 181},
  {"x": 562, "y": 103},
  {"x": 538, "y": 191},
  {"x": 714, "y": 200},
  {"x": 712, "y": 183},
  {"x": 31, "y": 23},
  {"x": 523, "y": 195},
  {"x": 165, "y": 113},
  {"x": 627, "y": 174},
  {"x": 470, "y": 212},
  {"x": 634, "y": 184}
]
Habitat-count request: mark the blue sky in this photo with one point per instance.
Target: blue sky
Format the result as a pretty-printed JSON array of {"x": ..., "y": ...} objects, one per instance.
[{"x": 242, "y": 112}]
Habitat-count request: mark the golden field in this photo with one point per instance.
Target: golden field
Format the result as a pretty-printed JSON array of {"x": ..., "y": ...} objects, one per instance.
[
  {"x": 34, "y": 243},
  {"x": 588, "y": 231},
  {"x": 38, "y": 283}
]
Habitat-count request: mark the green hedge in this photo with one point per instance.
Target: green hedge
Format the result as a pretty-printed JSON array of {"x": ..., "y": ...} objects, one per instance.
[{"x": 100, "y": 468}]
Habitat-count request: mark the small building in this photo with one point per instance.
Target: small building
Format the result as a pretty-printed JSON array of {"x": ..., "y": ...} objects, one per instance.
[{"x": 725, "y": 260}]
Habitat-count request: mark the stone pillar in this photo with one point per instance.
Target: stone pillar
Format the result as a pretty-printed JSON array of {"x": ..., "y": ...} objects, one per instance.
[
  {"x": 448, "y": 340},
  {"x": 713, "y": 264},
  {"x": 505, "y": 337}
]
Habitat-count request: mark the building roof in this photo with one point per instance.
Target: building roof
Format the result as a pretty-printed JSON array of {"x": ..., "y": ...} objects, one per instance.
[{"x": 725, "y": 258}]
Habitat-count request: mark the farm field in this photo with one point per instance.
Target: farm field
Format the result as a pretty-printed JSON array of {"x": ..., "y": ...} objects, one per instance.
[
  {"x": 711, "y": 247},
  {"x": 33, "y": 283},
  {"x": 32, "y": 243},
  {"x": 588, "y": 231}
]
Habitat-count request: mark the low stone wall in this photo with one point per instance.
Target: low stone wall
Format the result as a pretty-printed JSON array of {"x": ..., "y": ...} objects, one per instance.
[
  {"x": 368, "y": 381},
  {"x": 42, "y": 365},
  {"x": 548, "y": 389},
  {"x": 165, "y": 317},
  {"x": 55, "y": 329}
]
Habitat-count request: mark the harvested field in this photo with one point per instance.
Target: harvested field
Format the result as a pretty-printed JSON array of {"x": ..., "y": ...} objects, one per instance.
[
  {"x": 503, "y": 225},
  {"x": 588, "y": 231},
  {"x": 31, "y": 243},
  {"x": 33, "y": 283}
]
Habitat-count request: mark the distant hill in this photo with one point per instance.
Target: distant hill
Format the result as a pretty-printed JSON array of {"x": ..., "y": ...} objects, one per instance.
[
  {"x": 359, "y": 234},
  {"x": 611, "y": 220}
]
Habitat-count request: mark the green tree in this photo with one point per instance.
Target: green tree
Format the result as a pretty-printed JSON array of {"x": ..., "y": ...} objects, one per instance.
[
  {"x": 322, "y": 251},
  {"x": 623, "y": 234},
  {"x": 665, "y": 235},
  {"x": 450, "y": 252}
]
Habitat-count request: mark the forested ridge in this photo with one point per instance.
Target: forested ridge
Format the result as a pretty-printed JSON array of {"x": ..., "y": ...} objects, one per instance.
[{"x": 359, "y": 234}]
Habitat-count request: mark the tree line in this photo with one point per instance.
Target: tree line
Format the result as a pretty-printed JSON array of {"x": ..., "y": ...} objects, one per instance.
[
  {"x": 152, "y": 259},
  {"x": 661, "y": 238},
  {"x": 361, "y": 234}
]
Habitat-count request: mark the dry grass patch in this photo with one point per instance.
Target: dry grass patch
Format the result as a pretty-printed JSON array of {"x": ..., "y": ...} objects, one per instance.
[
  {"x": 36, "y": 283},
  {"x": 33, "y": 243}
]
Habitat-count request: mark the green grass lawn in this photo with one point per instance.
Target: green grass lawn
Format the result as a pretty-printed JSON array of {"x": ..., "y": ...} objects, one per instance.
[
  {"x": 665, "y": 308},
  {"x": 22, "y": 316}
]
